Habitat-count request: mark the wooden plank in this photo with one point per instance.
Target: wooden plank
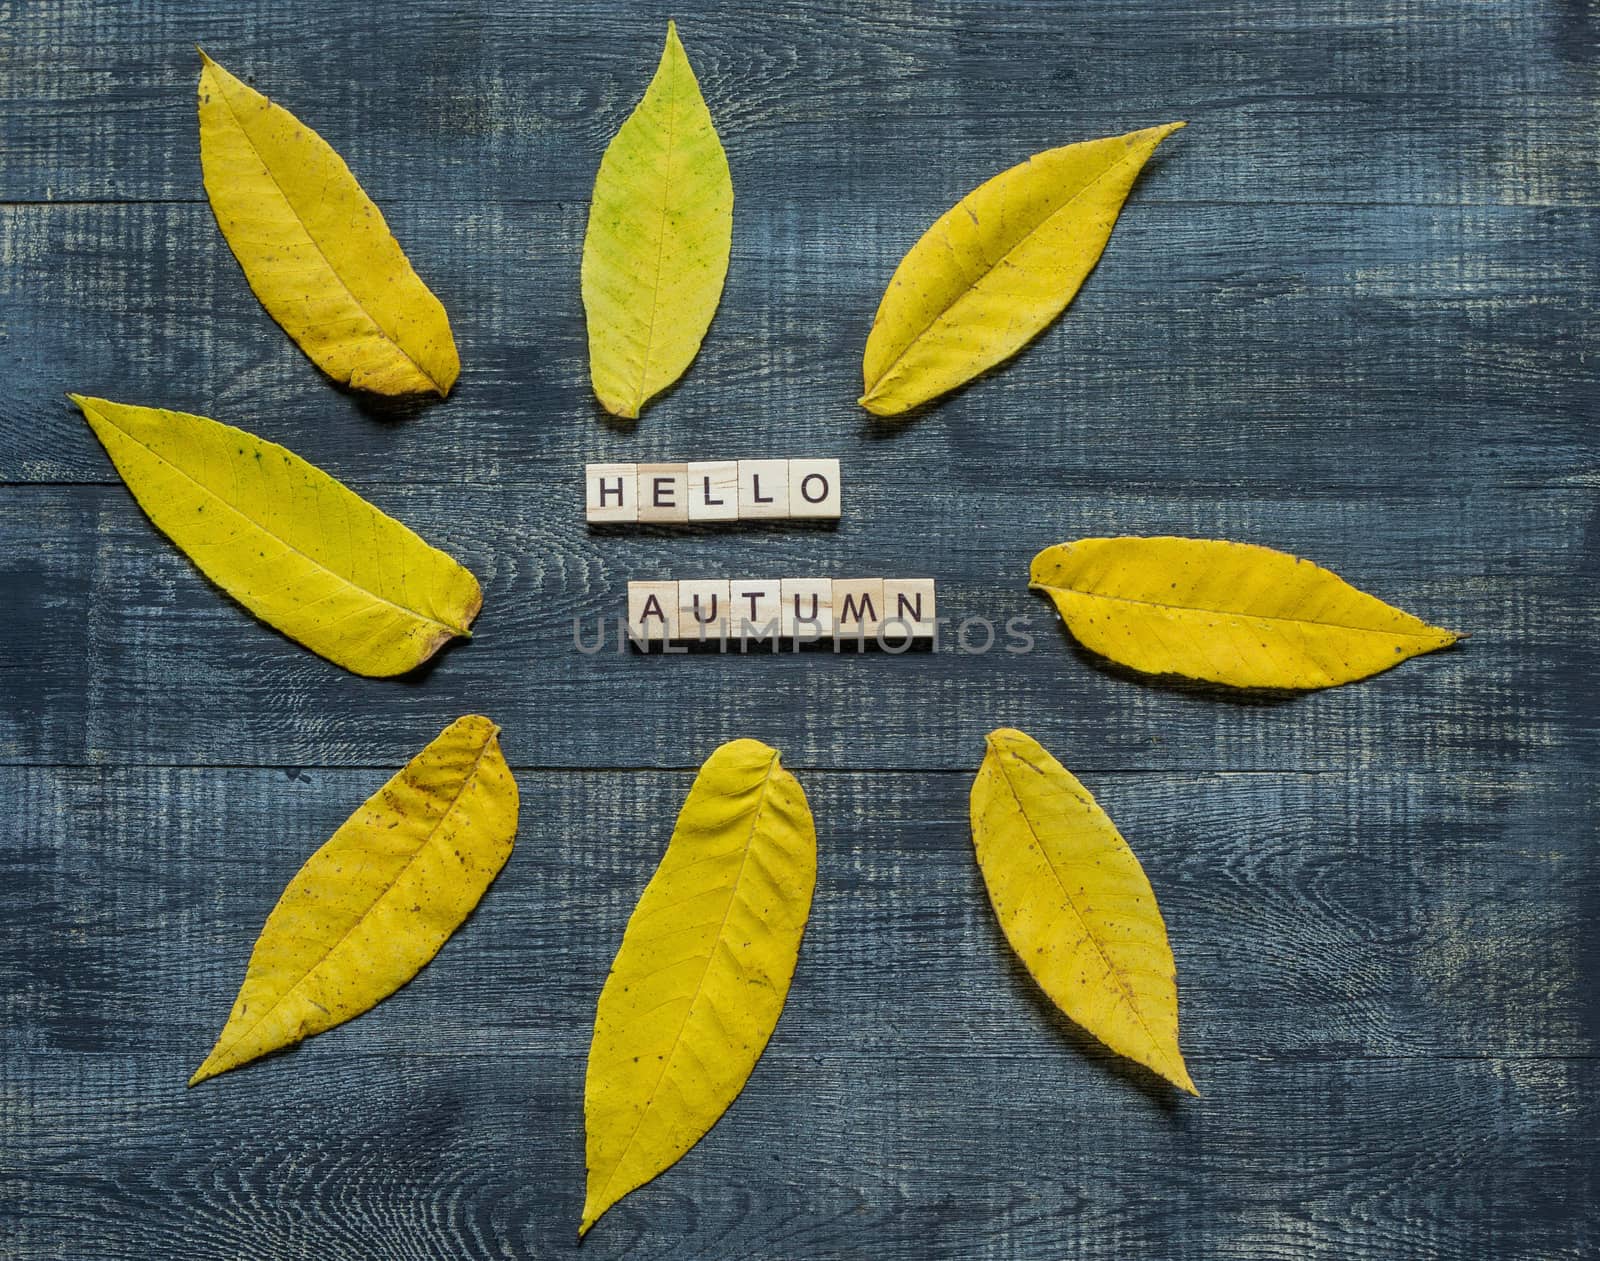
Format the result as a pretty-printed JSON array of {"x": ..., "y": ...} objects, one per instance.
[
  {"x": 1348, "y": 313},
  {"x": 1271, "y": 346},
  {"x": 1409, "y": 100},
  {"x": 1362, "y": 914},
  {"x": 828, "y": 1152},
  {"x": 1357, "y": 968},
  {"x": 159, "y": 667},
  {"x": 45, "y": 595}
]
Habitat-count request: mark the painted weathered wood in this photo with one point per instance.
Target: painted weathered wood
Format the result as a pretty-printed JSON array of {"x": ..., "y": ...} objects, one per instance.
[
  {"x": 1348, "y": 313},
  {"x": 149, "y": 645},
  {"x": 1362, "y": 913},
  {"x": 829, "y": 1153},
  {"x": 1356, "y": 966},
  {"x": 1382, "y": 101},
  {"x": 1288, "y": 346}
]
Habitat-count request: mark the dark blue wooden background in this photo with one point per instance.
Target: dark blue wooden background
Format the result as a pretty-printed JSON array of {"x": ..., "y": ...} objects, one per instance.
[{"x": 1349, "y": 313}]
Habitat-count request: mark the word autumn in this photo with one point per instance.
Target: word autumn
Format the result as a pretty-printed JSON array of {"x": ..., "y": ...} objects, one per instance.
[
  {"x": 711, "y": 490},
  {"x": 801, "y": 609}
]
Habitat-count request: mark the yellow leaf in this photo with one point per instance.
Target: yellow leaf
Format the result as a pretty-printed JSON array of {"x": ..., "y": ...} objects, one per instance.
[
  {"x": 656, "y": 250},
  {"x": 1075, "y": 904},
  {"x": 992, "y": 272},
  {"x": 376, "y": 902},
  {"x": 300, "y": 550},
  {"x": 704, "y": 967},
  {"x": 1225, "y": 612},
  {"x": 315, "y": 249}
]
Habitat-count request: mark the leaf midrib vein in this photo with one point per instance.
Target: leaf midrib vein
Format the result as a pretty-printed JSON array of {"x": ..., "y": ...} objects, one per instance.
[
  {"x": 661, "y": 241},
  {"x": 1260, "y": 617}
]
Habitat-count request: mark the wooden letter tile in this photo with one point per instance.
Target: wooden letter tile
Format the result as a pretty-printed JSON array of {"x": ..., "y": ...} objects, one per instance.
[
  {"x": 909, "y": 608},
  {"x": 664, "y": 494},
  {"x": 702, "y": 610},
  {"x": 814, "y": 489},
  {"x": 807, "y": 609},
  {"x": 763, "y": 489},
  {"x": 610, "y": 493},
  {"x": 653, "y": 611},
  {"x": 755, "y": 608},
  {"x": 857, "y": 608},
  {"x": 714, "y": 490}
]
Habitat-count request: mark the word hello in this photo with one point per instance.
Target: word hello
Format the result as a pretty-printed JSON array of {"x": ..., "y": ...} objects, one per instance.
[
  {"x": 711, "y": 490},
  {"x": 801, "y": 609}
]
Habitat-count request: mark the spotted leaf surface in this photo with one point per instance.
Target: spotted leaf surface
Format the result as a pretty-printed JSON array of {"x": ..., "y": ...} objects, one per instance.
[{"x": 379, "y": 899}]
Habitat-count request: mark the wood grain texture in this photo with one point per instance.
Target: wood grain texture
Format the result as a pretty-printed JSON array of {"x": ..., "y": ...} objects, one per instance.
[
  {"x": 1321, "y": 1160},
  {"x": 1405, "y": 100},
  {"x": 1356, "y": 966},
  {"x": 422, "y": 1155},
  {"x": 1338, "y": 914},
  {"x": 159, "y": 645},
  {"x": 1263, "y": 345},
  {"x": 1349, "y": 313}
]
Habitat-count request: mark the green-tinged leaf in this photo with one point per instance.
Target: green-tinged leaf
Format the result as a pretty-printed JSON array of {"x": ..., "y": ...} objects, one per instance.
[{"x": 656, "y": 250}]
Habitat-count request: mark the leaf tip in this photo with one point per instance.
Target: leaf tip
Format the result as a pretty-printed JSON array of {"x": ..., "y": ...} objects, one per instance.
[
  {"x": 1178, "y": 1075},
  {"x": 492, "y": 728},
  {"x": 85, "y": 404},
  {"x": 875, "y": 404},
  {"x": 672, "y": 49},
  {"x": 446, "y": 380}
]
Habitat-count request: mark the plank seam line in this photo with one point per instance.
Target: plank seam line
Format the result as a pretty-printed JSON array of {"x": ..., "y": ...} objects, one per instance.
[{"x": 1499, "y": 778}]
